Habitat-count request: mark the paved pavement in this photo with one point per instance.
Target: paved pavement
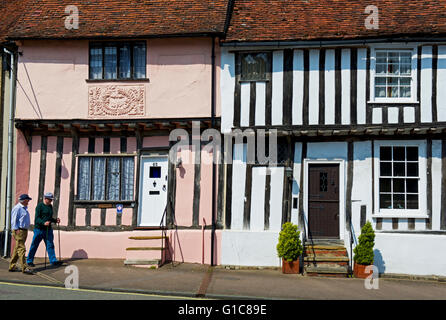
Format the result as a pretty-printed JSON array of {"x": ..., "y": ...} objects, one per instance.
[{"x": 195, "y": 280}]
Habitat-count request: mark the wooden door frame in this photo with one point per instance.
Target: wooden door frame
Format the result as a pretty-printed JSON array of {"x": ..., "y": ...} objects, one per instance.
[
  {"x": 147, "y": 154},
  {"x": 341, "y": 163}
]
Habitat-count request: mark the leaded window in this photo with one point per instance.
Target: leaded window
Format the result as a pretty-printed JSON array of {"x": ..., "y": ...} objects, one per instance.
[
  {"x": 110, "y": 61},
  {"x": 254, "y": 66},
  {"x": 106, "y": 178}
]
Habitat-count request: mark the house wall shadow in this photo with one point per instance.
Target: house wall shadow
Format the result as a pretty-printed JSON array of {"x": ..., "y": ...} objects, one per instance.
[{"x": 379, "y": 261}]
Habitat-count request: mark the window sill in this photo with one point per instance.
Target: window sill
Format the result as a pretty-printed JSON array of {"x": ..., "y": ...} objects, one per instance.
[
  {"x": 242, "y": 81},
  {"x": 401, "y": 216},
  {"x": 386, "y": 102},
  {"x": 116, "y": 80},
  {"x": 107, "y": 202}
]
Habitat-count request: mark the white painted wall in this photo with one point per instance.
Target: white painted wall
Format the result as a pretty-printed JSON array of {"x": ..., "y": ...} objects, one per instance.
[
  {"x": 362, "y": 184},
  {"x": 330, "y": 87},
  {"x": 410, "y": 254},
  {"x": 245, "y": 93},
  {"x": 362, "y": 87},
  {"x": 276, "y": 199},
  {"x": 260, "y": 103},
  {"x": 238, "y": 186},
  {"x": 327, "y": 150},
  {"x": 441, "y": 83},
  {"x": 227, "y": 80},
  {"x": 249, "y": 248},
  {"x": 298, "y": 86},
  {"x": 296, "y": 182},
  {"x": 436, "y": 184},
  {"x": 313, "y": 108},
  {"x": 257, "y": 221},
  {"x": 426, "y": 84},
  {"x": 277, "y": 89},
  {"x": 345, "y": 79}
]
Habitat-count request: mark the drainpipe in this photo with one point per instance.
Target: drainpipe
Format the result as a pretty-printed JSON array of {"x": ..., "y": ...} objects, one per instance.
[
  {"x": 213, "y": 152},
  {"x": 10, "y": 148}
]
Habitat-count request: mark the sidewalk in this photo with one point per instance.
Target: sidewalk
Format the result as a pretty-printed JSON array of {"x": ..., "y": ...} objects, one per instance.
[{"x": 194, "y": 280}]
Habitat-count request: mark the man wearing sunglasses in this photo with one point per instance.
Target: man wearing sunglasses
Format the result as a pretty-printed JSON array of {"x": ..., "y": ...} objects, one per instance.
[{"x": 43, "y": 230}]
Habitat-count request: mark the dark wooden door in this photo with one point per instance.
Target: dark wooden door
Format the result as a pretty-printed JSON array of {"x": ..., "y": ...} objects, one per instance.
[{"x": 323, "y": 201}]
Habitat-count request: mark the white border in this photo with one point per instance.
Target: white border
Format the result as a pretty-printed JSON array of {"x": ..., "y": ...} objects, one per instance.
[
  {"x": 341, "y": 163},
  {"x": 402, "y": 213},
  {"x": 414, "y": 83}
]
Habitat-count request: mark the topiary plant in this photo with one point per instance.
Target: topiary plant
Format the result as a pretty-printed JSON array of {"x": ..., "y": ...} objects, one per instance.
[
  {"x": 289, "y": 247},
  {"x": 364, "y": 250}
]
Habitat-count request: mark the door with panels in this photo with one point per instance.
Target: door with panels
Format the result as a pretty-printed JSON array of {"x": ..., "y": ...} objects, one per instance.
[{"x": 153, "y": 190}]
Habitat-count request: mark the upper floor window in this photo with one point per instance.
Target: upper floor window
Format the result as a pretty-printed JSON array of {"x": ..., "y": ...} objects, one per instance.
[
  {"x": 126, "y": 60},
  {"x": 394, "y": 75},
  {"x": 254, "y": 66}
]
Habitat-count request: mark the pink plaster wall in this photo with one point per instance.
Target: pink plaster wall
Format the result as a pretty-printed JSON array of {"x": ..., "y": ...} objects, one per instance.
[
  {"x": 185, "y": 189},
  {"x": 187, "y": 245},
  {"x": 50, "y": 172},
  {"x": 80, "y": 217},
  {"x": 65, "y": 181},
  {"x": 156, "y": 141},
  {"x": 34, "y": 176},
  {"x": 53, "y": 79},
  {"x": 115, "y": 145},
  {"x": 23, "y": 162},
  {"x": 206, "y": 188}
]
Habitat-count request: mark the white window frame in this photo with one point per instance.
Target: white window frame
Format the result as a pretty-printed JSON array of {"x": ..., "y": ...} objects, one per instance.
[
  {"x": 422, "y": 186},
  {"x": 414, "y": 73}
]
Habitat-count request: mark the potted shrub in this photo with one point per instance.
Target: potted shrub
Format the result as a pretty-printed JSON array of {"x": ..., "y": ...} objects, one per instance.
[
  {"x": 289, "y": 248},
  {"x": 364, "y": 251}
]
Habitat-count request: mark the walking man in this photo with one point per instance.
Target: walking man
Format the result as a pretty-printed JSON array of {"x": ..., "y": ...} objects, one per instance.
[
  {"x": 43, "y": 230},
  {"x": 20, "y": 222}
]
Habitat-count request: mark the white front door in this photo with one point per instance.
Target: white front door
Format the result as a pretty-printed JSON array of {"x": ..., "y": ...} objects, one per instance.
[{"x": 153, "y": 190}]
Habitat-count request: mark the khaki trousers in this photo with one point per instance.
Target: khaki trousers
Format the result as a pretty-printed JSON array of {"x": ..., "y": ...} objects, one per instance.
[{"x": 19, "y": 252}]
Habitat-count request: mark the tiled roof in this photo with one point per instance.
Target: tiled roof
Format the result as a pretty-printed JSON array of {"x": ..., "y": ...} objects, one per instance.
[
  {"x": 10, "y": 11},
  {"x": 121, "y": 18},
  {"x": 270, "y": 20}
]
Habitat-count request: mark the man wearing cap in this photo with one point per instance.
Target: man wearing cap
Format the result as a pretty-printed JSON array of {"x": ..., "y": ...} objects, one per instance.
[
  {"x": 20, "y": 222},
  {"x": 43, "y": 230}
]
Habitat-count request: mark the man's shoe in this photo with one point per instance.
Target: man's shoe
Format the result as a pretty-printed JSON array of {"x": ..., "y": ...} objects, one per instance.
[
  {"x": 27, "y": 271},
  {"x": 56, "y": 263},
  {"x": 30, "y": 264},
  {"x": 13, "y": 269}
]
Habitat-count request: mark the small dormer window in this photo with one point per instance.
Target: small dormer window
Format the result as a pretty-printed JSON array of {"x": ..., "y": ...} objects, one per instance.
[
  {"x": 111, "y": 61},
  {"x": 254, "y": 66}
]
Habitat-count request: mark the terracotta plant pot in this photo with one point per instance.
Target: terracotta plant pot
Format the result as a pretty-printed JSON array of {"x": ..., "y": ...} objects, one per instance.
[
  {"x": 290, "y": 267},
  {"x": 359, "y": 271}
]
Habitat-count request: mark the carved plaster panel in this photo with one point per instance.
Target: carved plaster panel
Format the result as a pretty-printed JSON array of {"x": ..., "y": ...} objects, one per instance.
[{"x": 116, "y": 100}]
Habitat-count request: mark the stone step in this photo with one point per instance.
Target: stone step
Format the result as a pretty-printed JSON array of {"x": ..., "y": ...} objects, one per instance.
[
  {"x": 328, "y": 258},
  {"x": 338, "y": 271},
  {"x": 148, "y": 237},
  {"x": 329, "y": 252},
  {"x": 142, "y": 262},
  {"x": 144, "y": 248},
  {"x": 325, "y": 247}
]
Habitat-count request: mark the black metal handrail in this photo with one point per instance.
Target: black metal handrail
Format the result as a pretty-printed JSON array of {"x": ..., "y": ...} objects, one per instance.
[
  {"x": 163, "y": 228},
  {"x": 350, "y": 262}
]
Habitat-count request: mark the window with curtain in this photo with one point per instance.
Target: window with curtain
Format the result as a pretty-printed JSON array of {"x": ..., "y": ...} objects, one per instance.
[
  {"x": 106, "y": 178},
  {"x": 126, "y": 60}
]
